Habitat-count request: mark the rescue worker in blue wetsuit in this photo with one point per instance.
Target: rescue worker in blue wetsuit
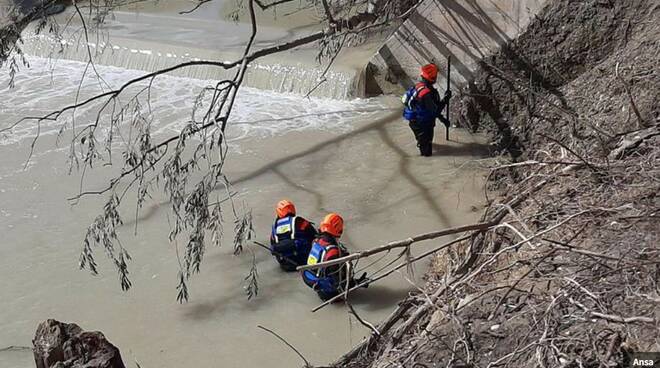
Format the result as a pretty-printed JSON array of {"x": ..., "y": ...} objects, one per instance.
[
  {"x": 291, "y": 237},
  {"x": 329, "y": 281},
  {"x": 422, "y": 106}
]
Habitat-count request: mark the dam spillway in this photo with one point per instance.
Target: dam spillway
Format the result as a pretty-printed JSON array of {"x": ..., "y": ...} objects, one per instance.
[{"x": 150, "y": 41}]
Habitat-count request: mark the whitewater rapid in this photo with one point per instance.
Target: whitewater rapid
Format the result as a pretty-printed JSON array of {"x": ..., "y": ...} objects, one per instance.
[{"x": 49, "y": 84}]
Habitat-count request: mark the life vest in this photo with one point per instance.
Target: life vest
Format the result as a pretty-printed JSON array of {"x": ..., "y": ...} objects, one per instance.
[
  {"x": 284, "y": 228},
  {"x": 290, "y": 243},
  {"x": 413, "y": 109},
  {"x": 317, "y": 278},
  {"x": 285, "y": 244}
]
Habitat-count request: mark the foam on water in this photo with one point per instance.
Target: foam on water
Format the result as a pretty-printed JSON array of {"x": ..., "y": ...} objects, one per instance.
[
  {"x": 291, "y": 74},
  {"x": 51, "y": 84}
]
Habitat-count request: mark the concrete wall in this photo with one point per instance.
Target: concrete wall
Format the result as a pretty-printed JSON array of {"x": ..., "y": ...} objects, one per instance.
[
  {"x": 466, "y": 30},
  {"x": 5, "y": 7}
]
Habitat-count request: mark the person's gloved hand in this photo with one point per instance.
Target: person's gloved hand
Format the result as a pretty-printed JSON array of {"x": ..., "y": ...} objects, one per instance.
[
  {"x": 362, "y": 279},
  {"x": 447, "y": 94}
]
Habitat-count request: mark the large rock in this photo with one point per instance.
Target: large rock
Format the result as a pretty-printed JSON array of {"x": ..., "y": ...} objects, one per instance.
[{"x": 66, "y": 345}]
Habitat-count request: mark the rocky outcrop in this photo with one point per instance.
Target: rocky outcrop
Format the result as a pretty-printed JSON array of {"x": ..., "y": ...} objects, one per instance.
[{"x": 66, "y": 345}]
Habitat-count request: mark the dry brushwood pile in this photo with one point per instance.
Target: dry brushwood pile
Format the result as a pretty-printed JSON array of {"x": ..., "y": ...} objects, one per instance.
[{"x": 566, "y": 274}]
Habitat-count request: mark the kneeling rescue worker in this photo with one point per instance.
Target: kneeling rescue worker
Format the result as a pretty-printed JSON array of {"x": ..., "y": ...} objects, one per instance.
[
  {"x": 291, "y": 237},
  {"x": 422, "y": 106},
  {"x": 328, "y": 281}
]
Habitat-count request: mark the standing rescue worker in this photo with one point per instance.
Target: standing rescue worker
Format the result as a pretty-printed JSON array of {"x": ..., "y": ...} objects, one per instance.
[
  {"x": 422, "y": 106},
  {"x": 291, "y": 237},
  {"x": 328, "y": 281}
]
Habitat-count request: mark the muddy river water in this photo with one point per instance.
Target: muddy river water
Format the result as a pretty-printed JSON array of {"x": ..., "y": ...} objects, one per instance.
[{"x": 356, "y": 157}]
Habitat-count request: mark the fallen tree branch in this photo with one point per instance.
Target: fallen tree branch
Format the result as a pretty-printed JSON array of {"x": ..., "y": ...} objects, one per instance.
[
  {"x": 570, "y": 248},
  {"x": 385, "y": 326},
  {"x": 627, "y": 145},
  {"x": 513, "y": 287},
  {"x": 364, "y": 322},
  {"x": 626, "y": 86},
  {"x": 398, "y": 267},
  {"x": 613, "y": 317},
  {"x": 591, "y": 166},
  {"x": 307, "y": 364},
  {"x": 482, "y": 226}
]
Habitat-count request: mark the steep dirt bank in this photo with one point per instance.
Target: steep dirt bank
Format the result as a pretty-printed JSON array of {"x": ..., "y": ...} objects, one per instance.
[
  {"x": 567, "y": 275},
  {"x": 526, "y": 86}
]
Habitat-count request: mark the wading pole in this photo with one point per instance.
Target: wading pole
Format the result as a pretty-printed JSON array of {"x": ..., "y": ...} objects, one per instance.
[
  {"x": 448, "y": 88},
  {"x": 286, "y": 259}
]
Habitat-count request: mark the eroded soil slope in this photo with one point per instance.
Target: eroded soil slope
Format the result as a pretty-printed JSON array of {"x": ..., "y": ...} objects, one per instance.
[{"x": 567, "y": 275}]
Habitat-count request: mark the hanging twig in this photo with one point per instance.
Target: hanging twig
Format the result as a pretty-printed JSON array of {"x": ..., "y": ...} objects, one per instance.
[
  {"x": 350, "y": 306},
  {"x": 307, "y": 364},
  {"x": 199, "y": 3}
]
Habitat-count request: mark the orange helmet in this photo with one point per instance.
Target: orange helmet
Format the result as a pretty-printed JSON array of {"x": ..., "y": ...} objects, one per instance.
[
  {"x": 284, "y": 208},
  {"x": 332, "y": 224},
  {"x": 429, "y": 72}
]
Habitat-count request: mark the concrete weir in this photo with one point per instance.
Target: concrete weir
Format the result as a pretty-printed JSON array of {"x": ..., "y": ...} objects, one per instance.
[
  {"x": 280, "y": 75},
  {"x": 465, "y": 30},
  {"x": 158, "y": 36}
]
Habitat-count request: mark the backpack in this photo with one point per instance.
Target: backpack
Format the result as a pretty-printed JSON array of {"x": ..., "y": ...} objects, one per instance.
[{"x": 411, "y": 100}]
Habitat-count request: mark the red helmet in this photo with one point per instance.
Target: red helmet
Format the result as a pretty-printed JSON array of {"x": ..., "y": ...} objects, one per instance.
[
  {"x": 332, "y": 224},
  {"x": 284, "y": 208},
  {"x": 429, "y": 72}
]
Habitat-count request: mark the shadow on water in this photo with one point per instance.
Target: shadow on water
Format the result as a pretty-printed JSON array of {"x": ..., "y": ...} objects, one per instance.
[
  {"x": 405, "y": 171},
  {"x": 462, "y": 149},
  {"x": 373, "y": 299},
  {"x": 377, "y": 297},
  {"x": 319, "y": 147},
  {"x": 275, "y": 166},
  {"x": 273, "y": 285}
]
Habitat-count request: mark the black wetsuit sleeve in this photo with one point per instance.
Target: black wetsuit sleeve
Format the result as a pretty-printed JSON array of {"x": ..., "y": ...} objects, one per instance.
[
  {"x": 305, "y": 228},
  {"x": 432, "y": 102},
  {"x": 272, "y": 237}
]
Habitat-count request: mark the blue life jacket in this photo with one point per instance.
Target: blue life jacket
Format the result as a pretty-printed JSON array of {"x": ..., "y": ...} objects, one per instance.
[
  {"x": 413, "y": 108},
  {"x": 284, "y": 231},
  {"x": 288, "y": 242},
  {"x": 317, "y": 278}
]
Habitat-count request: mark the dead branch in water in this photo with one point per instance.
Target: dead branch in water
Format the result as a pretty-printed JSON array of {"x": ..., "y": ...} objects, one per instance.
[
  {"x": 352, "y": 310},
  {"x": 307, "y": 364},
  {"x": 399, "y": 244},
  {"x": 394, "y": 269}
]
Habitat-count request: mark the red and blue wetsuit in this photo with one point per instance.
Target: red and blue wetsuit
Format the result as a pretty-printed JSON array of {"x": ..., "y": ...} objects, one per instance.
[
  {"x": 327, "y": 281},
  {"x": 422, "y": 106}
]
